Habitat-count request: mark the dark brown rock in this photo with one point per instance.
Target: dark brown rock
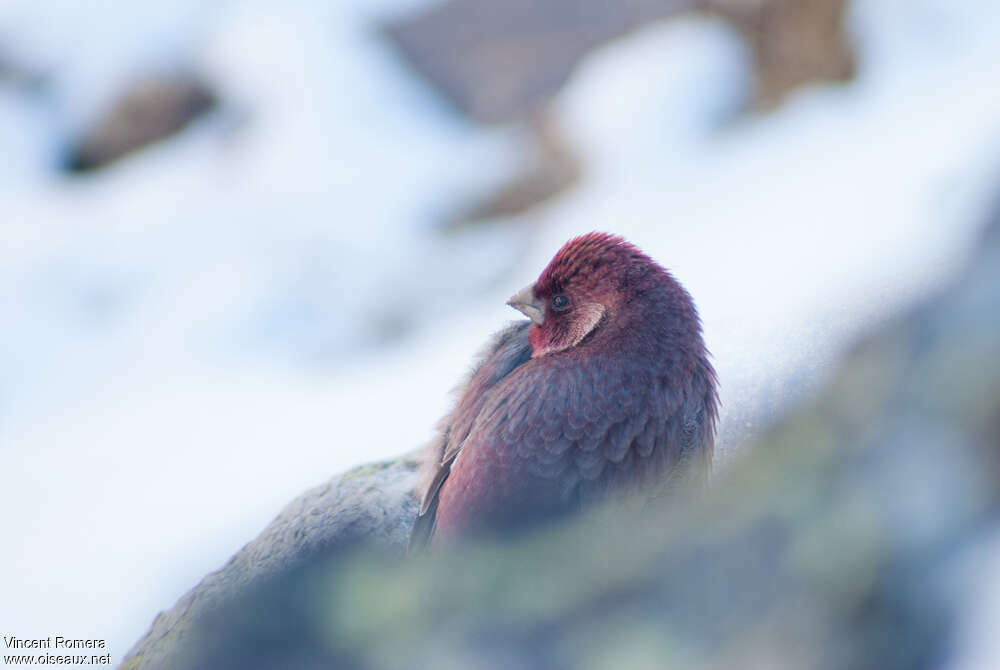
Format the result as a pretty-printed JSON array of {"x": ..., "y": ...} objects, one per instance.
[
  {"x": 793, "y": 42},
  {"x": 151, "y": 109}
]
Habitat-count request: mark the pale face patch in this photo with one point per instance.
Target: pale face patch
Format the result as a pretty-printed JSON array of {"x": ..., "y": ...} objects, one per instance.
[{"x": 580, "y": 322}]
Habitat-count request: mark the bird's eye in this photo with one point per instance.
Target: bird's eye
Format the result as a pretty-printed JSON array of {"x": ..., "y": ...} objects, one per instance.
[{"x": 560, "y": 302}]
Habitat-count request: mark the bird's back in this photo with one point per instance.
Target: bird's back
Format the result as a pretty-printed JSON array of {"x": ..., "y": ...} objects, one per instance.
[{"x": 533, "y": 439}]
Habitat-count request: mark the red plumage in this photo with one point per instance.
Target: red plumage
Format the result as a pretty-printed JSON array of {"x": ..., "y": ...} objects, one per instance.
[{"x": 605, "y": 391}]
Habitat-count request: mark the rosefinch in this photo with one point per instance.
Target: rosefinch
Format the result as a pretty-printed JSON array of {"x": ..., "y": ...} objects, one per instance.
[{"x": 605, "y": 391}]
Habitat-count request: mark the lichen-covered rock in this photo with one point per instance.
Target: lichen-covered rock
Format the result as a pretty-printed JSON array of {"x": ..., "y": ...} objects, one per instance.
[{"x": 371, "y": 505}]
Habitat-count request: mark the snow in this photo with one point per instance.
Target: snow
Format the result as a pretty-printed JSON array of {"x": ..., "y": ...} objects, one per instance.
[{"x": 194, "y": 336}]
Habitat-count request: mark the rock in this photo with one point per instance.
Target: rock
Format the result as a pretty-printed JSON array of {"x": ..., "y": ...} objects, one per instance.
[
  {"x": 553, "y": 169},
  {"x": 151, "y": 109},
  {"x": 793, "y": 42},
  {"x": 370, "y": 505},
  {"x": 503, "y": 61}
]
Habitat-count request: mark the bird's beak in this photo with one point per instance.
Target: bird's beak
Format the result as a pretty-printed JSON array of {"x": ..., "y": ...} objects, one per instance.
[{"x": 526, "y": 302}]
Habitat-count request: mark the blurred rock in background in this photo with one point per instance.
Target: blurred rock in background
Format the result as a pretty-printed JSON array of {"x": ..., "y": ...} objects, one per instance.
[
  {"x": 499, "y": 62},
  {"x": 151, "y": 109},
  {"x": 794, "y": 43},
  {"x": 504, "y": 62},
  {"x": 835, "y": 543},
  {"x": 552, "y": 167}
]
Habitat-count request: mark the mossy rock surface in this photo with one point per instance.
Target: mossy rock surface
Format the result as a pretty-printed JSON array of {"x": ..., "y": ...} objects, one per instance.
[{"x": 372, "y": 504}]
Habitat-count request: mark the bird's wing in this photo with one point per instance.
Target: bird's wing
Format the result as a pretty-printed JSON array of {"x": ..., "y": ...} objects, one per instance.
[
  {"x": 612, "y": 423},
  {"x": 636, "y": 425},
  {"x": 609, "y": 425},
  {"x": 506, "y": 350}
]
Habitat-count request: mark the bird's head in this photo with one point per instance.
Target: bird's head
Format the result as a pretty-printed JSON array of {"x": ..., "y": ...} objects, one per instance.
[{"x": 584, "y": 289}]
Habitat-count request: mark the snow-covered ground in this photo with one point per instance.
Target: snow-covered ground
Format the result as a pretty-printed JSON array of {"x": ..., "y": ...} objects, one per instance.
[{"x": 194, "y": 336}]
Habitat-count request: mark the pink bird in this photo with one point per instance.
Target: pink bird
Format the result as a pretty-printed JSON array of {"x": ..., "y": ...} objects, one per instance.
[{"x": 606, "y": 390}]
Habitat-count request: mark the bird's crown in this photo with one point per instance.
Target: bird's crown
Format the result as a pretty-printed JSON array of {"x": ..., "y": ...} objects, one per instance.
[{"x": 594, "y": 255}]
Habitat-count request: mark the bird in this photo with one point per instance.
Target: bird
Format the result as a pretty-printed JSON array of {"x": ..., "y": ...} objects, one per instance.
[{"x": 605, "y": 390}]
